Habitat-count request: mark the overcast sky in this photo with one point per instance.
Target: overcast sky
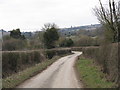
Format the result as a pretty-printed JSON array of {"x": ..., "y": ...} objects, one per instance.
[{"x": 31, "y": 15}]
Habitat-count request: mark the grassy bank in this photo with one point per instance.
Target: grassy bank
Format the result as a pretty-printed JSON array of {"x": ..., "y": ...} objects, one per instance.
[
  {"x": 91, "y": 75},
  {"x": 107, "y": 57},
  {"x": 16, "y": 79}
]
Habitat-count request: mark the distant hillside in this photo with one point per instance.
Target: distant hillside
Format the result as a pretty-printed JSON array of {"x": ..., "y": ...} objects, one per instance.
[
  {"x": 62, "y": 31},
  {"x": 73, "y": 30}
]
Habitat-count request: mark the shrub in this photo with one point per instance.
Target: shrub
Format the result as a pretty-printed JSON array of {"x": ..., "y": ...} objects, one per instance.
[
  {"x": 16, "y": 34},
  {"x": 53, "y": 52},
  {"x": 50, "y": 54},
  {"x": 66, "y": 42}
]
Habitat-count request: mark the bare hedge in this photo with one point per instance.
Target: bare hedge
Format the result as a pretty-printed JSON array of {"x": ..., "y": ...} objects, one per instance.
[{"x": 15, "y": 61}]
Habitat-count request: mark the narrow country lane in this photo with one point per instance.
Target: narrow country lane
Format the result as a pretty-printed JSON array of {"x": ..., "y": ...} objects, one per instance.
[{"x": 60, "y": 74}]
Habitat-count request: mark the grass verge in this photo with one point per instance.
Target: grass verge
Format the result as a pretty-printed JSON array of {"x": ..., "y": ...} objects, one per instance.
[
  {"x": 91, "y": 75},
  {"x": 16, "y": 79}
]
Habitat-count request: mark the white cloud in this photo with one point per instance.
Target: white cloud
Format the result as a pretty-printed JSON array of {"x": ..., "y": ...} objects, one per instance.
[{"x": 32, "y": 14}]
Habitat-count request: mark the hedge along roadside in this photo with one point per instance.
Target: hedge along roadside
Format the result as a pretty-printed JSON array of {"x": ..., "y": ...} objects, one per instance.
[
  {"x": 16, "y": 79},
  {"x": 107, "y": 57},
  {"x": 15, "y": 61}
]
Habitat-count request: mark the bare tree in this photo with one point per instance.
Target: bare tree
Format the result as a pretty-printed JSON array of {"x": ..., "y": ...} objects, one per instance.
[{"x": 110, "y": 18}]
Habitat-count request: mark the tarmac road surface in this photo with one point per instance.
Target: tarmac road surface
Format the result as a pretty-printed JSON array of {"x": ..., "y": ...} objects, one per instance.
[{"x": 60, "y": 74}]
